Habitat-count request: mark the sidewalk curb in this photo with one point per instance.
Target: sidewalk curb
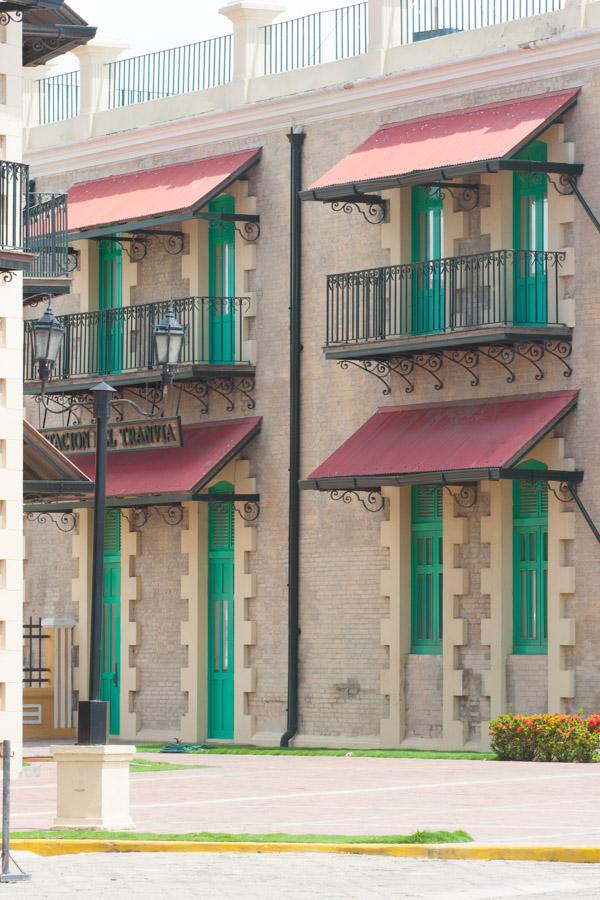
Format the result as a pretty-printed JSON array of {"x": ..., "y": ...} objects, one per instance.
[{"x": 49, "y": 847}]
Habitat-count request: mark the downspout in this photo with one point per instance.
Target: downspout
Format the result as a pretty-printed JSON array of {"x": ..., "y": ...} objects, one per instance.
[{"x": 296, "y": 139}]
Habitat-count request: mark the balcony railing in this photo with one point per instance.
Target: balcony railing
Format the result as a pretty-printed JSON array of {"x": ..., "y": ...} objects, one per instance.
[
  {"x": 118, "y": 341},
  {"x": 424, "y": 19},
  {"x": 500, "y": 288},
  {"x": 14, "y": 183},
  {"x": 179, "y": 70},
  {"x": 47, "y": 235},
  {"x": 58, "y": 97},
  {"x": 316, "y": 38}
]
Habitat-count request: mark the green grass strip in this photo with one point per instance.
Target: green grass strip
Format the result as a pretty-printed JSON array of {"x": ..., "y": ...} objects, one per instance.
[
  {"x": 147, "y": 765},
  {"x": 247, "y": 750},
  {"x": 419, "y": 837}
]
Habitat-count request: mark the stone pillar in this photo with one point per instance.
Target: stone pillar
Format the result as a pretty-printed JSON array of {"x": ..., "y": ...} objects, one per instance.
[
  {"x": 93, "y": 63},
  {"x": 92, "y": 789},
  {"x": 384, "y": 25},
  {"x": 249, "y": 17}
]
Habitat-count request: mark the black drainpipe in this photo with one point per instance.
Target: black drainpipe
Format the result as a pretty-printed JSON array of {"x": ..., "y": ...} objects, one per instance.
[{"x": 296, "y": 139}]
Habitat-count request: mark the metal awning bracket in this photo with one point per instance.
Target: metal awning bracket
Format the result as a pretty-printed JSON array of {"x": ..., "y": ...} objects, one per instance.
[
  {"x": 466, "y": 195},
  {"x": 373, "y": 209}
]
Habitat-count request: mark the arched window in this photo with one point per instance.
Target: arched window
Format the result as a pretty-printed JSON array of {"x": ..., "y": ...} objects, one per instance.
[
  {"x": 426, "y": 568},
  {"x": 530, "y": 563}
]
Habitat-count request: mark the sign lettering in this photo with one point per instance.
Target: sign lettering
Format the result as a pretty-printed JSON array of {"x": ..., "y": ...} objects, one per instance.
[{"x": 137, "y": 434}]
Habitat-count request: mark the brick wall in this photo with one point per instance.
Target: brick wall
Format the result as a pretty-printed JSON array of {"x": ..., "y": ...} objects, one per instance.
[
  {"x": 159, "y": 700},
  {"x": 423, "y": 679},
  {"x": 526, "y": 684}
]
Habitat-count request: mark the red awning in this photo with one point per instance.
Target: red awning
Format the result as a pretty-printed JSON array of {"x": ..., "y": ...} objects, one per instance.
[
  {"x": 153, "y": 193},
  {"x": 457, "y": 440},
  {"x": 43, "y": 460},
  {"x": 441, "y": 145},
  {"x": 207, "y": 448}
]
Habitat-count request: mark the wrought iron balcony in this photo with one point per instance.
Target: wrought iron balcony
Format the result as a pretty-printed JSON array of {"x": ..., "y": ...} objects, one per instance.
[
  {"x": 461, "y": 300},
  {"x": 120, "y": 342},
  {"x": 14, "y": 181},
  {"x": 47, "y": 235}
]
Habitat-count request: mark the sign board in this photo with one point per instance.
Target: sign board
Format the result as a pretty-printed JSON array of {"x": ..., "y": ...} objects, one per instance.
[{"x": 135, "y": 434}]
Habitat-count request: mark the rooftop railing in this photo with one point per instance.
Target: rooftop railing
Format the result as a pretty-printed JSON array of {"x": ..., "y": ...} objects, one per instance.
[
  {"x": 58, "y": 98},
  {"x": 117, "y": 341},
  {"x": 179, "y": 70},
  {"x": 423, "y": 19},
  {"x": 502, "y": 287},
  {"x": 316, "y": 38},
  {"x": 307, "y": 41}
]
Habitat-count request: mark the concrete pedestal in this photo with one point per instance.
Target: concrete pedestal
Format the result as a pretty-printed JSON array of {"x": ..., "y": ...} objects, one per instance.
[{"x": 93, "y": 786}]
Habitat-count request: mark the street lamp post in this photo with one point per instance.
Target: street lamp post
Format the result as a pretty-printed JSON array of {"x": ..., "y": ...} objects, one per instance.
[
  {"x": 92, "y": 722},
  {"x": 48, "y": 337}
]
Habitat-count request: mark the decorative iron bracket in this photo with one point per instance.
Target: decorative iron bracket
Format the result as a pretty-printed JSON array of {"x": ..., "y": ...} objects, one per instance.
[
  {"x": 139, "y": 516},
  {"x": 465, "y": 496},
  {"x": 372, "y": 501},
  {"x": 73, "y": 258},
  {"x": 225, "y": 386},
  {"x": 139, "y": 243},
  {"x": 15, "y": 15},
  {"x": 466, "y": 195},
  {"x": 372, "y": 208},
  {"x": 567, "y": 184},
  {"x": 432, "y": 362},
  {"x": 64, "y": 521},
  {"x": 248, "y": 231},
  {"x": 249, "y": 511}
]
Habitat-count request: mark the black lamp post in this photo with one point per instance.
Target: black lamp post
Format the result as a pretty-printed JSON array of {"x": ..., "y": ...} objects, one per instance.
[
  {"x": 48, "y": 335},
  {"x": 92, "y": 722},
  {"x": 168, "y": 341}
]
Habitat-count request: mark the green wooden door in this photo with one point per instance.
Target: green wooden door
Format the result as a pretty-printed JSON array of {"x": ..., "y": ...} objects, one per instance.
[
  {"x": 426, "y": 568},
  {"x": 530, "y": 564},
  {"x": 221, "y": 282},
  {"x": 220, "y": 615},
  {"x": 110, "y": 674},
  {"x": 428, "y": 304},
  {"x": 110, "y": 297},
  {"x": 530, "y": 227}
]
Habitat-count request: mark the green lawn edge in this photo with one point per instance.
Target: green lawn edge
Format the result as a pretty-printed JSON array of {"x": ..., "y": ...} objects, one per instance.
[
  {"x": 248, "y": 750},
  {"x": 149, "y": 765},
  {"x": 419, "y": 837}
]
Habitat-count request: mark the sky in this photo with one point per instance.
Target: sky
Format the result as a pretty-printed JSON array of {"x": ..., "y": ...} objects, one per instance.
[{"x": 155, "y": 25}]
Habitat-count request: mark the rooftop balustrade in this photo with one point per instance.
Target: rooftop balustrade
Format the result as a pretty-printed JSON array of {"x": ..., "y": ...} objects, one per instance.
[{"x": 255, "y": 50}]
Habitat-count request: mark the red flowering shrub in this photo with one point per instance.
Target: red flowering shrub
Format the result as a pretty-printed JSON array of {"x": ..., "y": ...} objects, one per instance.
[
  {"x": 546, "y": 738},
  {"x": 593, "y": 723}
]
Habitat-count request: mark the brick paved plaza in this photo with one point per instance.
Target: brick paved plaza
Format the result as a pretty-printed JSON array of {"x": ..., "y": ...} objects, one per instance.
[{"x": 545, "y": 803}]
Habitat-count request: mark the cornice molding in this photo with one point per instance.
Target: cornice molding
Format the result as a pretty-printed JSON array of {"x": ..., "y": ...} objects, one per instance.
[{"x": 542, "y": 59}]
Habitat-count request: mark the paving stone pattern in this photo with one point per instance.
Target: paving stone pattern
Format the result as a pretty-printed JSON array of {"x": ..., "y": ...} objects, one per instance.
[{"x": 147, "y": 876}]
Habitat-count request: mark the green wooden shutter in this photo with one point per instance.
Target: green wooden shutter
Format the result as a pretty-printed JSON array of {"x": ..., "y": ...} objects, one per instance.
[
  {"x": 110, "y": 676},
  {"x": 428, "y": 304},
  {"x": 110, "y": 301},
  {"x": 530, "y": 564},
  {"x": 221, "y": 282},
  {"x": 530, "y": 229},
  {"x": 426, "y": 569},
  {"x": 221, "y": 591}
]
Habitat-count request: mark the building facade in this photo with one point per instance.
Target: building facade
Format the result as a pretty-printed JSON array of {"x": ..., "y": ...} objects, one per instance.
[{"x": 363, "y": 528}]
